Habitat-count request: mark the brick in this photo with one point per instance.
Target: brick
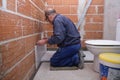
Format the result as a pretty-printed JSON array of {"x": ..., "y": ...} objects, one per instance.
[
  {"x": 73, "y": 18},
  {"x": 65, "y": 2},
  {"x": 69, "y": 2},
  {"x": 74, "y": 2},
  {"x": 24, "y": 7},
  {"x": 100, "y": 9},
  {"x": 37, "y": 14},
  {"x": 37, "y": 27},
  {"x": 30, "y": 73},
  {"x": 10, "y": 27},
  {"x": 11, "y": 5},
  {"x": 63, "y": 9},
  {"x": 50, "y": 6},
  {"x": 93, "y": 35},
  {"x": 57, "y": 2},
  {"x": 89, "y": 18},
  {"x": 20, "y": 71},
  {"x": 29, "y": 46},
  {"x": 94, "y": 18},
  {"x": 40, "y": 27},
  {"x": 91, "y": 10},
  {"x": 73, "y": 9},
  {"x": 17, "y": 26},
  {"x": 0, "y": 3},
  {"x": 48, "y": 27},
  {"x": 14, "y": 26},
  {"x": 50, "y": 34},
  {"x": 39, "y": 4},
  {"x": 0, "y": 34},
  {"x": 49, "y": 2},
  {"x": 27, "y": 27},
  {"x": 97, "y": 2},
  {"x": 93, "y": 27},
  {"x": 98, "y": 18},
  {"x": 12, "y": 53}
]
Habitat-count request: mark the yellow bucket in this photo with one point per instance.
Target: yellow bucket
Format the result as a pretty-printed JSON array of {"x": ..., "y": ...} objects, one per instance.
[{"x": 109, "y": 66}]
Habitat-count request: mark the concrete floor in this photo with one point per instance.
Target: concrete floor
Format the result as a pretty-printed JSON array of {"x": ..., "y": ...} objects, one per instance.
[{"x": 44, "y": 72}]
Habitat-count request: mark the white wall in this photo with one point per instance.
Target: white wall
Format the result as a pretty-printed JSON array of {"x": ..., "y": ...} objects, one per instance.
[{"x": 111, "y": 14}]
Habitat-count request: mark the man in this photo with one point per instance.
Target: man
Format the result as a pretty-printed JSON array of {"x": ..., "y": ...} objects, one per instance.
[{"x": 67, "y": 38}]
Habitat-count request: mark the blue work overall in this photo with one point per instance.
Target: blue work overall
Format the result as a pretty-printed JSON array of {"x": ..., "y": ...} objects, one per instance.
[{"x": 66, "y": 56}]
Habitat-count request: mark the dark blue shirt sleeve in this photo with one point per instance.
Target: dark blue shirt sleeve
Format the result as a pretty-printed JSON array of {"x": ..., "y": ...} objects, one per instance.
[{"x": 58, "y": 33}]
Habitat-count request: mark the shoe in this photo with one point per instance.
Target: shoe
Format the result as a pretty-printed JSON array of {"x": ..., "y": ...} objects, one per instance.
[{"x": 81, "y": 57}]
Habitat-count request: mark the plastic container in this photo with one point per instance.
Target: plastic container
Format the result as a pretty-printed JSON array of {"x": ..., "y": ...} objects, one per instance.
[{"x": 109, "y": 66}]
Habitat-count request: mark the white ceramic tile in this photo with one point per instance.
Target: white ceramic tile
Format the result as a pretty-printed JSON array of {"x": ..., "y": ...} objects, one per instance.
[
  {"x": 89, "y": 56},
  {"x": 48, "y": 55}
]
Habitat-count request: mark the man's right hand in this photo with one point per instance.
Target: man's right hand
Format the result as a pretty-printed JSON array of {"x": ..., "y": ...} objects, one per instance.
[{"x": 42, "y": 42}]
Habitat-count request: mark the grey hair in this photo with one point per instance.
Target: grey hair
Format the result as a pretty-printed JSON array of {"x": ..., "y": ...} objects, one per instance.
[{"x": 48, "y": 12}]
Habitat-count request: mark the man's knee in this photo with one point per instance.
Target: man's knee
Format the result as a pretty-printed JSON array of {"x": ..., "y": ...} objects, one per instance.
[{"x": 53, "y": 62}]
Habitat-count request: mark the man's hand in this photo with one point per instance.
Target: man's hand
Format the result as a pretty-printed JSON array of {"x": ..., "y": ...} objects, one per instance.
[{"x": 42, "y": 42}]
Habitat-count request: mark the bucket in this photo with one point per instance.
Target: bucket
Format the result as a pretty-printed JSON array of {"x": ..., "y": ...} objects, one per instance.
[{"x": 109, "y": 66}]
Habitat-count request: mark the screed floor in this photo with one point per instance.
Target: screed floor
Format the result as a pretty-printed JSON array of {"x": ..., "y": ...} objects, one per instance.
[{"x": 44, "y": 72}]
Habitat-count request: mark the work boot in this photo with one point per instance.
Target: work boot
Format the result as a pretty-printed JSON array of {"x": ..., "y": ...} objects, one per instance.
[{"x": 81, "y": 57}]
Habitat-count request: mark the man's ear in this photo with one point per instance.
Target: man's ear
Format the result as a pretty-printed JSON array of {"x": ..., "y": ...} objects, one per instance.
[{"x": 50, "y": 16}]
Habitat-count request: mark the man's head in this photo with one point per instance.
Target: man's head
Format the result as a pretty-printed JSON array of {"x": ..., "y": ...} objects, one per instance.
[{"x": 50, "y": 14}]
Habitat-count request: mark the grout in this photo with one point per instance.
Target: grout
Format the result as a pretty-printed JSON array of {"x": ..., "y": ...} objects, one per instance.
[
  {"x": 10, "y": 69},
  {"x": 36, "y": 6},
  {"x": 43, "y": 2},
  {"x": 15, "y": 39},
  {"x": 21, "y": 15}
]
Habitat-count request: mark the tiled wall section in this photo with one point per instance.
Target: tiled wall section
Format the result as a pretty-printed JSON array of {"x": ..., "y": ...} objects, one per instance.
[
  {"x": 93, "y": 26},
  {"x": 21, "y": 22}
]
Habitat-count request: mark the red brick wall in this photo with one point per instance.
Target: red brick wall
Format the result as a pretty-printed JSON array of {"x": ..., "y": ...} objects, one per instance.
[
  {"x": 93, "y": 20},
  {"x": 20, "y": 25},
  {"x": 0, "y": 3}
]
